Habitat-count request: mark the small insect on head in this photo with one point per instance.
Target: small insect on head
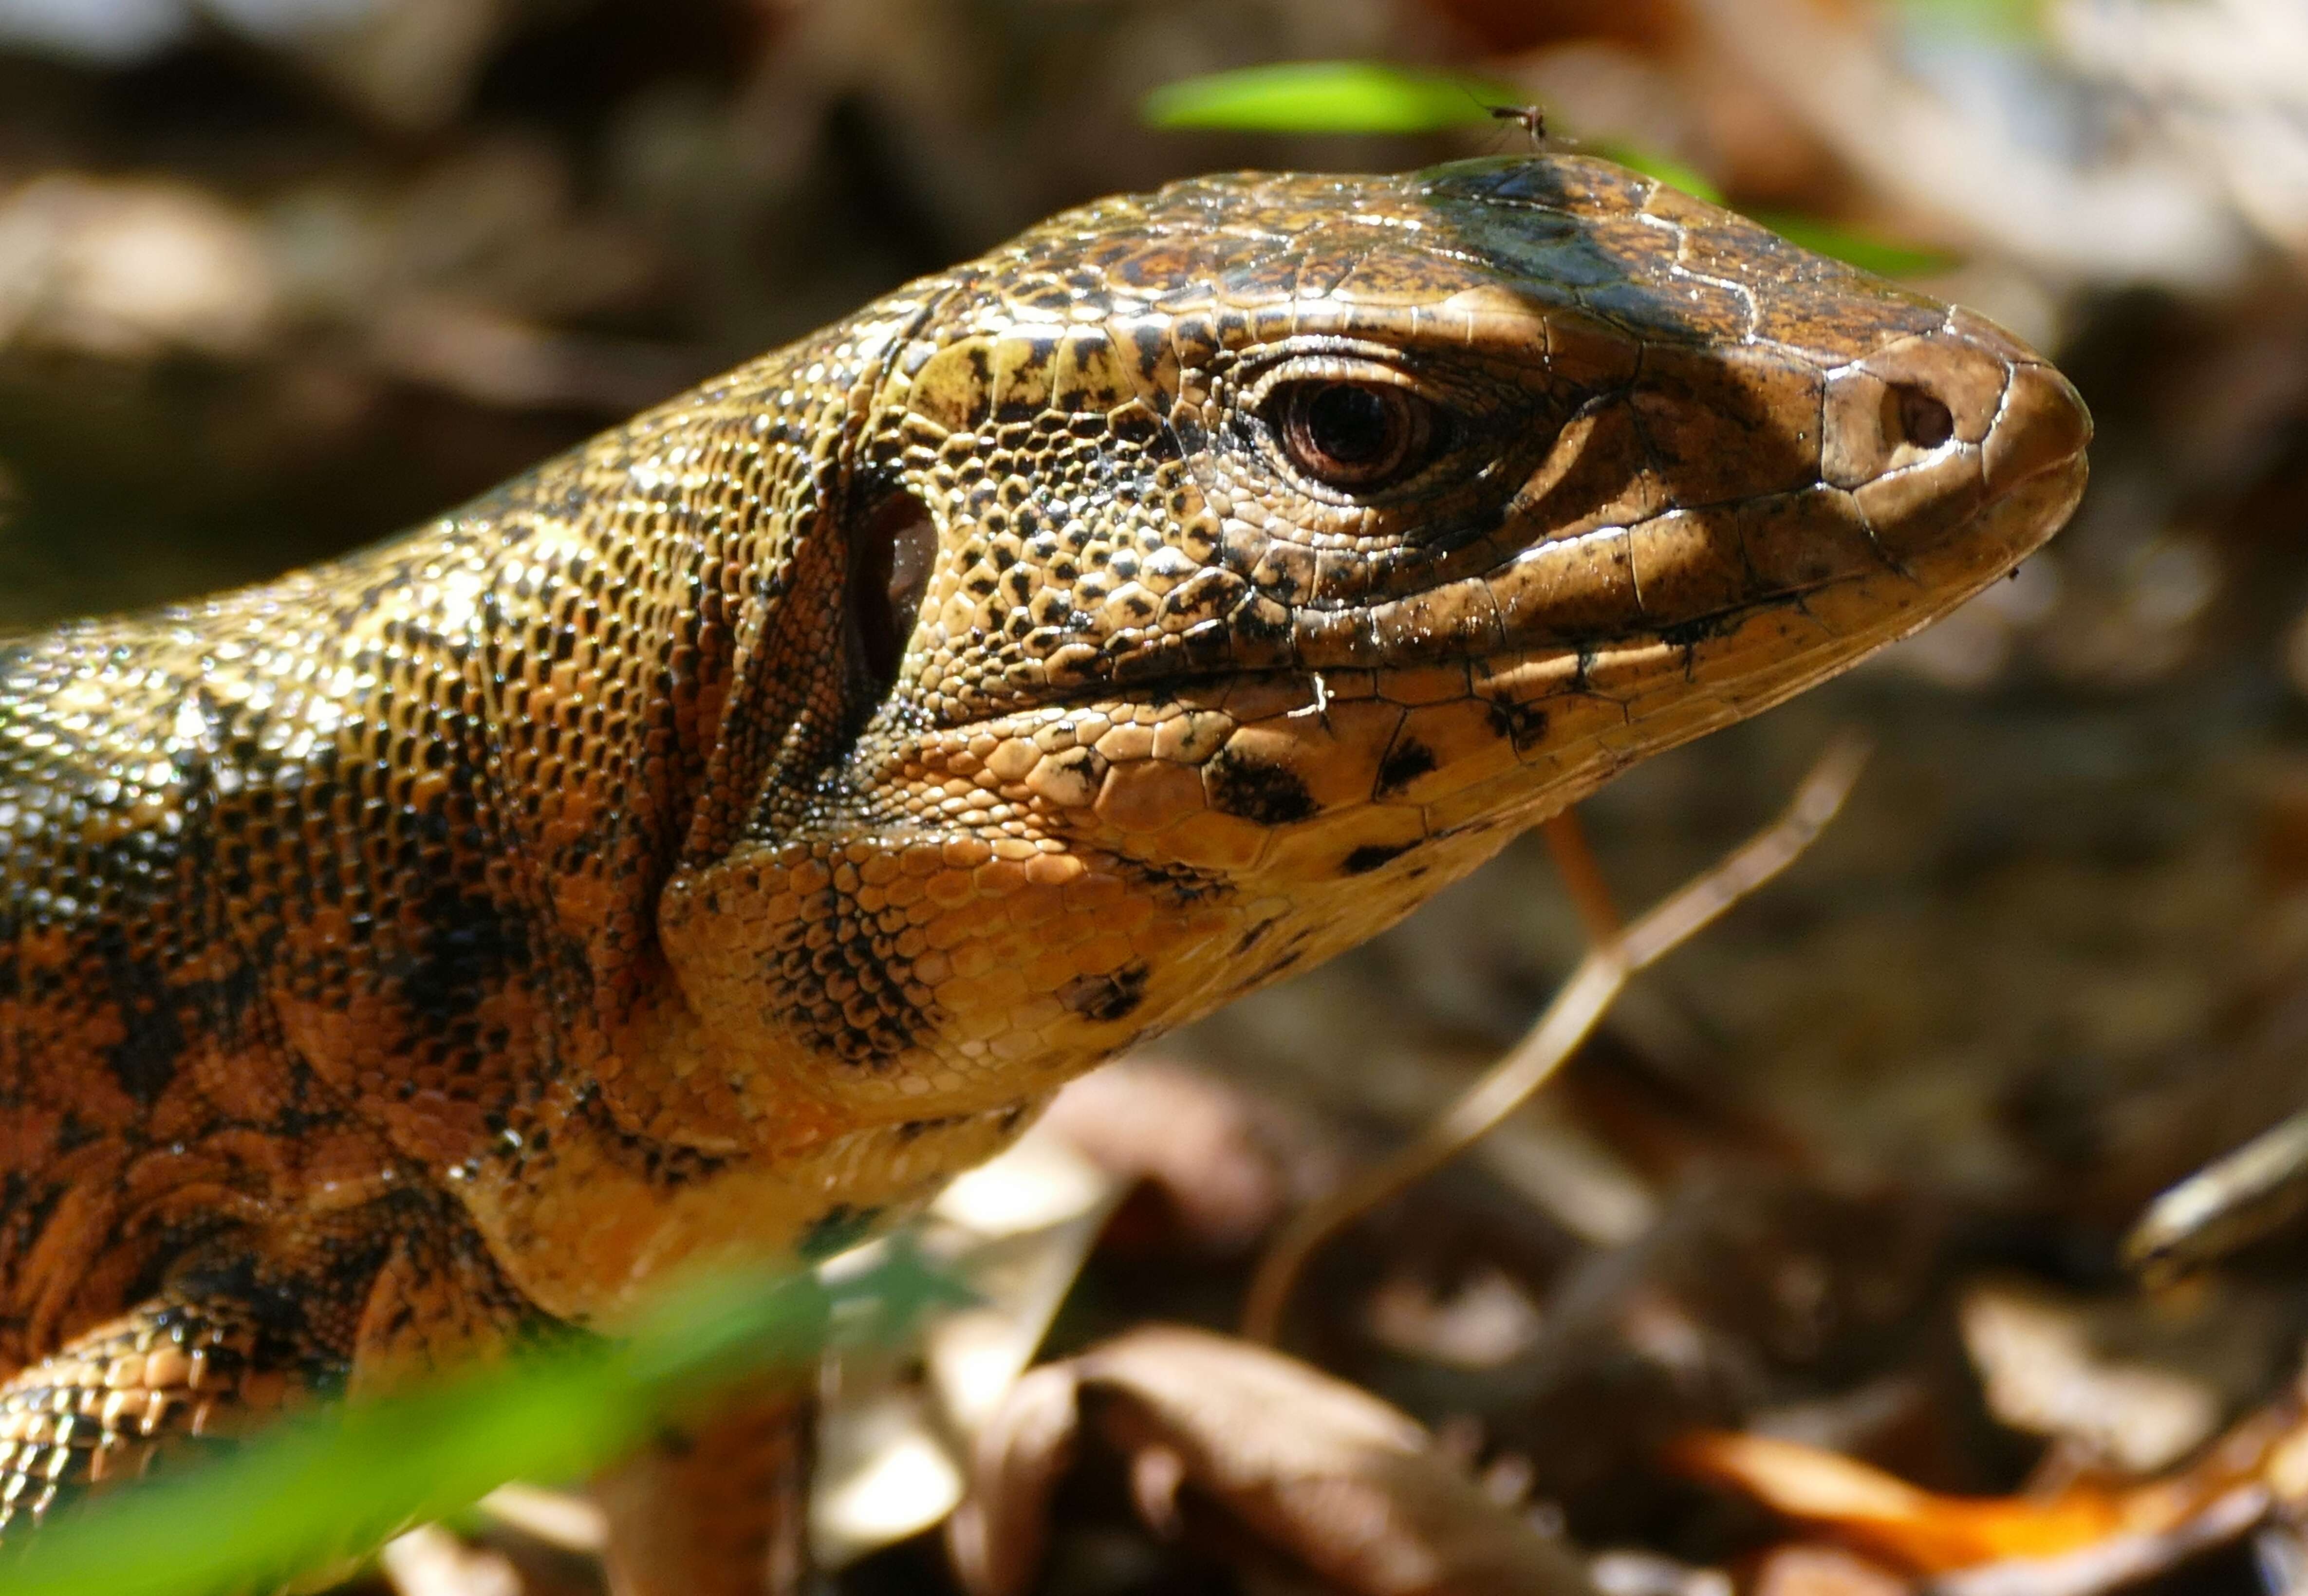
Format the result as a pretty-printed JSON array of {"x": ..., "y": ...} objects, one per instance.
[{"x": 1530, "y": 118}]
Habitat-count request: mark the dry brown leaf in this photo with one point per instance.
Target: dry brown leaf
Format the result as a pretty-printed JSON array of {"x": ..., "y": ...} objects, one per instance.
[
  {"x": 2117, "y": 1562},
  {"x": 1195, "y": 1139},
  {"x": 130, "y": 269},
  {"x": 1804, "y": 1570},
  {"x": 430, "y": 1561},
  {"x": 1918, "y": 1530},
  {"x": 2088, "y": 1536},
  {"x": 1320, "y": 1470},
  {"x": 2045, "y": 1370}
]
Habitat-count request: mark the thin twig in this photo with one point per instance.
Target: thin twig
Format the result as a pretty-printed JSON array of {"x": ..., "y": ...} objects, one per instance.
[
  {"x": 1582, "y": 876},
  {"x": 2230, "y": 1203},
  {"x": 1577, "y": 1007}
]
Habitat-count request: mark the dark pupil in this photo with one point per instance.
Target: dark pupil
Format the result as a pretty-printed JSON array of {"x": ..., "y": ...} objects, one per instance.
[{"x": 1350, "y": 424}]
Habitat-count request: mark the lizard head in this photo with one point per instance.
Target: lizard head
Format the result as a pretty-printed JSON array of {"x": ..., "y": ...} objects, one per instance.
[{"x": 1229, "y": 568}]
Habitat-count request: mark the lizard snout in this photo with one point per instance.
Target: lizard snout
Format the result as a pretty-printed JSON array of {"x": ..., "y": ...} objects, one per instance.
[{"x": 1929, "y": 430}]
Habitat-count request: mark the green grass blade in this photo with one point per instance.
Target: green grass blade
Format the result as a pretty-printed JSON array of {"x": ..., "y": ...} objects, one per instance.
[
  {"x": 331, "y": 1488},
  {"x": 1669, "y": 170},
  {"x": 1858, "y": 246},
  {"x": 1335, "y": 97},
  {"x": 2000, "y": 22},
  {"x": 1328, "y": 97}
]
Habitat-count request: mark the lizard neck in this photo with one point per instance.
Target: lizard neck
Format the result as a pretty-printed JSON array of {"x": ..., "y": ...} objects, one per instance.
[
  {"x": 647, "y": 603},
  {"x": 665, "y": 659}
]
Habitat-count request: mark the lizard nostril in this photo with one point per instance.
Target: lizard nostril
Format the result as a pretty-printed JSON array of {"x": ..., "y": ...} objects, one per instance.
[{"x": 1917, "y": 417}]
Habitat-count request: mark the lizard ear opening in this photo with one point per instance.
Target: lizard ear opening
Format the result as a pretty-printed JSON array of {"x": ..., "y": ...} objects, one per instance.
[{"x": 890, "y": 556}]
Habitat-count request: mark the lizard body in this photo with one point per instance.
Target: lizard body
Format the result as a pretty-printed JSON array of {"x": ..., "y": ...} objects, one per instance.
[{"x": 707, "y": 842}]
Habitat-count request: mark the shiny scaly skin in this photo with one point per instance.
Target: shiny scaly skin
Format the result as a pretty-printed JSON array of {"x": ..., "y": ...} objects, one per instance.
[{"x": 458, "y": 937}]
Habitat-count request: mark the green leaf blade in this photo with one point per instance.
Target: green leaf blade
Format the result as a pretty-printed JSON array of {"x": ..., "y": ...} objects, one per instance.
[
  {"x": 328, "y": 1489},
  {"x": 1364, "y": 96},
  {"x": 1862, "y": 248},
  {"x": 1666, "y": 169}
]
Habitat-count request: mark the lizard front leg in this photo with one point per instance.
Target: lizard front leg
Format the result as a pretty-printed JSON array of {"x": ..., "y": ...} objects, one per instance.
[
  {"x": 171, "y": 1376},
  {"x": 251, "y": 1326},
  {"x": 717, "y": 1505}
]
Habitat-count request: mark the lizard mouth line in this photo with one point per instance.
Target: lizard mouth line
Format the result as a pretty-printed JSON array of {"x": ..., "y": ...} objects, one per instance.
[{"x": 1688, "y": 633}]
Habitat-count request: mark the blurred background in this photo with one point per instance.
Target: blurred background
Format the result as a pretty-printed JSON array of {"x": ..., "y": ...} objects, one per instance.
[{"x": 280, "y": 277}]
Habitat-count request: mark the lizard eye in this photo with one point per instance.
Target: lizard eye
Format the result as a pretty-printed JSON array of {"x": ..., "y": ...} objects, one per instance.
[{"x": 1354, "y": 436}]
